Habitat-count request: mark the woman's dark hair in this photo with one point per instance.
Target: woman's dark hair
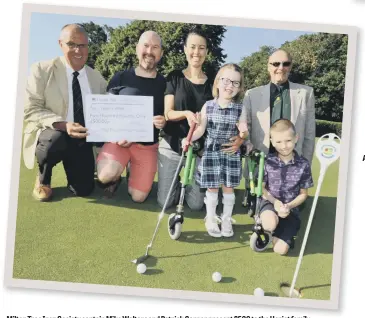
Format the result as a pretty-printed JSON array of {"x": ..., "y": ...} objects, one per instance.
[{"x": 195, "y": 30}]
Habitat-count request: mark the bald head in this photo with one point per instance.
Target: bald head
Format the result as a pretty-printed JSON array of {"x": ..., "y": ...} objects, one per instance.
[
  {"x": 149, "y": 51},
  {"x": 279, "y": 66},
  {"x": 70, "y": 29},
  {"x": 280, "y": 54},
  {"x": 148, "y": 35}
]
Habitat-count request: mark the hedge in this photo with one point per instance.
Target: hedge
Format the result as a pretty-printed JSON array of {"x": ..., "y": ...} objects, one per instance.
[{"x": 325, "y": 127}]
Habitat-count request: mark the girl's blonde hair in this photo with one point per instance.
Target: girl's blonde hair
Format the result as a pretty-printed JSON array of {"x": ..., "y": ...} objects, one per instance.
[{"x": 237, "y": 69}]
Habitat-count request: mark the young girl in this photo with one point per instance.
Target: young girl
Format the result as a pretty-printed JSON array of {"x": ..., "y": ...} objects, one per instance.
[{"x": 221, "y": 164}]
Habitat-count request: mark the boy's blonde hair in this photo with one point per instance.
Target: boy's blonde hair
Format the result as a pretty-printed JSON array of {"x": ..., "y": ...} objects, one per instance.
[
  {"x": 282, "y": 125},
  {"x": 236, "y": 68}
]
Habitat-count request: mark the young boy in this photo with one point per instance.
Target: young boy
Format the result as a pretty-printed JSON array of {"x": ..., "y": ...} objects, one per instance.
[{"x": 287, "y": 177}]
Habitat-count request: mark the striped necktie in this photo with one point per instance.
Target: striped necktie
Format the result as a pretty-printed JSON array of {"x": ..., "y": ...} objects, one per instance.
[{"x": 77, "y": 100}]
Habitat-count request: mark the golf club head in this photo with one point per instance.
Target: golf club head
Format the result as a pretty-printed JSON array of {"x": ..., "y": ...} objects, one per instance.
[
  {"x": 140, "y": 260},
  {"x": 285, "y": 288}
]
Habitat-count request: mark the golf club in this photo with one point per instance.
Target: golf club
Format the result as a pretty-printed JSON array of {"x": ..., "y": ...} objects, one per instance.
[
  {"x": 327, "y": 152},
  {"x": 161, "y": 214}
]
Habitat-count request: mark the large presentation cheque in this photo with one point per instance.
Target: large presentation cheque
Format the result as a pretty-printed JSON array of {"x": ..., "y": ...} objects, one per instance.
[{"x": 111, "y": 118}]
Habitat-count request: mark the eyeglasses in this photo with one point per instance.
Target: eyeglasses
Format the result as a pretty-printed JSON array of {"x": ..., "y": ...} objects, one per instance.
[
  {"x": 227, "y": 81},
  {"x": 73, "y": 46},
  {"x": 277, "y": 64}
]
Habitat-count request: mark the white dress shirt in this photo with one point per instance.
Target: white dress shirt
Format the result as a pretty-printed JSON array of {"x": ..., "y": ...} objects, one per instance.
[{"x": 85, "y": 89}]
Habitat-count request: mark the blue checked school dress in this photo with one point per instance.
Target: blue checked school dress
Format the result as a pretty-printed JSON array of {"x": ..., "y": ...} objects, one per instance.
[{"x": 216, "y": 167}]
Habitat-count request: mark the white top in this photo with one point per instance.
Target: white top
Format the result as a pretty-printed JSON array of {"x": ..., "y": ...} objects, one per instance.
[{"x": 85, "y": 89}]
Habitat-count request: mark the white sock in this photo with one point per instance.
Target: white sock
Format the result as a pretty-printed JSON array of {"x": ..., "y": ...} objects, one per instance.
[
  {"x": 211, "y": 202},
  {"x": 229, "y": 200}
]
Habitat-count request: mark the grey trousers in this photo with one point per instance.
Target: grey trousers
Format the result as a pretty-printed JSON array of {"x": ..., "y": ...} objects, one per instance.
[{"x": 168, "y": 161}]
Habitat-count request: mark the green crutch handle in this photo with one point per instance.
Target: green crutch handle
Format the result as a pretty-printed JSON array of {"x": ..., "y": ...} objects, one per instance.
[
  {"x": 251, "y": 168},
  {"x": 188, "y": 164},
  {"x": 192, "y": 169},
  {"x": 258, "y": 189}
]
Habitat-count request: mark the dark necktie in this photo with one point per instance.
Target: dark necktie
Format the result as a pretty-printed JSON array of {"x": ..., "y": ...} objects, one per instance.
[
  {"x": 77, "y": 99},
  {"x": 277, "y": 111}
]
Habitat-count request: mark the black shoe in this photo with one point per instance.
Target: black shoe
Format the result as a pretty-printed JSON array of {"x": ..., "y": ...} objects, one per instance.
[
  {"x": 109, "y": 188},
  {"x": 292, "y": 243},
  {"x": 81, "y": 191}
]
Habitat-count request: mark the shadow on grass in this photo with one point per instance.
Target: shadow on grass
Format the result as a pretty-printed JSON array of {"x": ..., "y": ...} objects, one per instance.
[
  {"x": 320, "y": 240},
  {"x": 202, "y": 253},
  {"x": 308, "y": 287},
  {"x": 314, "y": 286},
  {"x": 271, "y": 294},
  {"x": 300, "y": 289},
  {"x": 150, "y": 261},
  {"x": 153, "y": 271},
  {"x": 199, "y": 237},
  {"x": 61, "y": 193},
  {"x": 321, "y": 235},
  {"x": 227, "y": 280},
  {"x": 121, "y": 198}
]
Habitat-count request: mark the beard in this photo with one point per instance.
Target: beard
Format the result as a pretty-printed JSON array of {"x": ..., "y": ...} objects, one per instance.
[{"x": 148, "y": 65}]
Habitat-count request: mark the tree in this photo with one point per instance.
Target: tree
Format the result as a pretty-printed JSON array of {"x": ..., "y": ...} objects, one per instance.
[
  {"x": 304, "y": 53},
  {"x": 319, "y": 60},
  {"x": 255, "y": 67},
  {"x": 120, "y": 52},
  {"x": 328, "y": 79},
  {"x": 98, "y": 36}
]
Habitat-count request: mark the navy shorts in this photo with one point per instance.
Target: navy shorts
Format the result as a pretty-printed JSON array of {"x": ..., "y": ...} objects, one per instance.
[{"x": 287, "y": 227}]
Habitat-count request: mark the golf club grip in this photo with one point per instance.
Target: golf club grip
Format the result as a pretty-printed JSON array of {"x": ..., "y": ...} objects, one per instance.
[{"x": 188, "y": 138}]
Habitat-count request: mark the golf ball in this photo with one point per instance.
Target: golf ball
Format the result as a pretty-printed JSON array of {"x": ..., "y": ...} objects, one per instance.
[
  {"x": 259, "y": 292},
  {"x": 216, "y": 277},
  {"x": 141, "y": 268}
]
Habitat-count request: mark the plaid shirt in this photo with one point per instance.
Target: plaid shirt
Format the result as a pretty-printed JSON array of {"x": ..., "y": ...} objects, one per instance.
[{"x": 284, "y": 181}]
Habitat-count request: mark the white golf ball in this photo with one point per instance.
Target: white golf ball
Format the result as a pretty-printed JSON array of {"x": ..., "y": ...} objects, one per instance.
[
  {"x": 141, "y": 268},
  {"x": 259, "y": 292},
  {"x": 216, "y": 277}
]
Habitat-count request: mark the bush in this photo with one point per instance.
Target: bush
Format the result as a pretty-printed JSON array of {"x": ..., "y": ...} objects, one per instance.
[{"x": 325, "y": 127}]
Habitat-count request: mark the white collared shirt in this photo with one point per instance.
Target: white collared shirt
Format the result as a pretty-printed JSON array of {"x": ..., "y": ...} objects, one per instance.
[{"x": 85, "y": 89}]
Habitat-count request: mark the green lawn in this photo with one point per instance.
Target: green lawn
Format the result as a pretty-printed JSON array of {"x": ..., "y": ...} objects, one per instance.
[{"x": 92, "y": 240}]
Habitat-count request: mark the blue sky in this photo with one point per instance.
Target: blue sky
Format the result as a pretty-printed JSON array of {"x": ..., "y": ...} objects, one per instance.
[{"x": 238, "y": 42}]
